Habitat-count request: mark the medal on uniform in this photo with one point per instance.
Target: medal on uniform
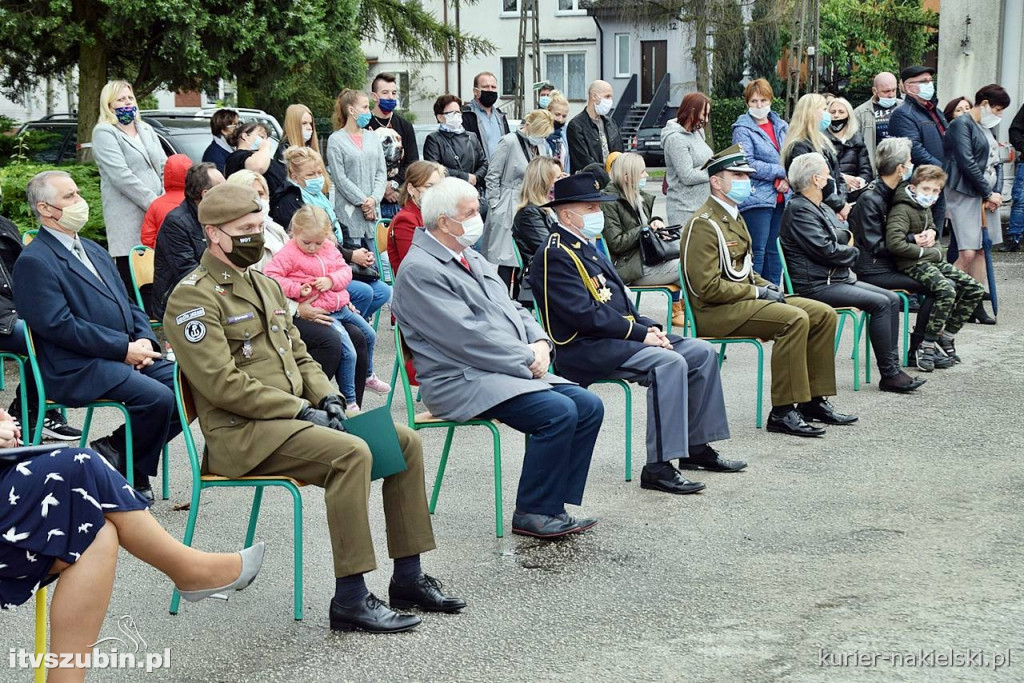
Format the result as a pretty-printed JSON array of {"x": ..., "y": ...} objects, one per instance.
[
  {"x": 604, "y": 294},
  {"x": 247, "y": 349}
]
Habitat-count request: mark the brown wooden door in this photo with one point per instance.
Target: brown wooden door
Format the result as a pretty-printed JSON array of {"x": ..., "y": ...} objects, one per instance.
[{"x": 653, "y": 66}]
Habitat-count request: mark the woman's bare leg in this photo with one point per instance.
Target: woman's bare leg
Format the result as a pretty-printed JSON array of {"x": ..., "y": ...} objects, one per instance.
[
  {"x": 140, "y": 534},
  {"x": 965, "y": 261},
  {"x": 80, "y": 601}
]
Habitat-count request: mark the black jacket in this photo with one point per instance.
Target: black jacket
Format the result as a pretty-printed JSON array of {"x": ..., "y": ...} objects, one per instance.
[
  {"x": 867, "y": 222},
  {"x": 410, "y": 148},
  {"x": 1017, "y": 131},
  {"x": 10, "y": 250},
  {"x": 853, "y": 160},
  {"x": 585, "y": 140},
  {"x": 966, "y": 147},
  {"x": 816, "y": 246},
  {"x": 461, "y": 153},
  {"x": 530, "y": 229},
  {"x": 472, "y": 125},
  {"x": 836, "y": 200},
  {"x": 179, "y": 245}
]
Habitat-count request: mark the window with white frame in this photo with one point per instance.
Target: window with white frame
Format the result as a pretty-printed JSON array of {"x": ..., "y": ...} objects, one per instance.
[
  {"x": 622, "y": 67},
  {"x": 570, "y": 7},
  {"x": 513, "y": 7},
  {"x": 567, "y": 71},
  {"x": 509, "y": 75}
]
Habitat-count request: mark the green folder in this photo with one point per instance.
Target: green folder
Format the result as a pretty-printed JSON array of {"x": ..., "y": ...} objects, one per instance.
[{"x": 377, "y": 429}]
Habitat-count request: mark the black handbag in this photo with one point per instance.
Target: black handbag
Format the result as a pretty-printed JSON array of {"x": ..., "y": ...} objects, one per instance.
[
  {"x": 659, "y": 246},
  {"x": 364, "y": 273}
]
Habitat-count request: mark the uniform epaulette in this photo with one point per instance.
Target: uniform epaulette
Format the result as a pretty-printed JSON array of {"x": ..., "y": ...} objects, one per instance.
[
  {"x": 554, "y": 240},
  {"x": 195, "y": 276}
]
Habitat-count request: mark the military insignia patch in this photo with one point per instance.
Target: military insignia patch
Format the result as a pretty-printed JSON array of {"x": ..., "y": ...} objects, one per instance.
[
  {"x": 604, "y": 294},
  {"x": 190, "y": 315},
  {"x": 195, "y": 331},
  {"x": 232, "y": 319},
  {"x": 597, "y": 186}
]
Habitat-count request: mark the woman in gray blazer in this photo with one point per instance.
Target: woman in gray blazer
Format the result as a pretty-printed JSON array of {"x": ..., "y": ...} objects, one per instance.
[
  {"x": 355, "y": 161},
  {"x": 686, "y": 152},
  {"x": 131, "y": 164}
]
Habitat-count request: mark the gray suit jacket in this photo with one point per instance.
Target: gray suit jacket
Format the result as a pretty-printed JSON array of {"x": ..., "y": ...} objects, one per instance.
[
  {"x": 468, "y": 340},
  {"x": 131, "y": 176}
]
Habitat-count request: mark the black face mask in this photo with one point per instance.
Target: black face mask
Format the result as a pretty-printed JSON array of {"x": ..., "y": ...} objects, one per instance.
[
  {"x": 838, "y": 124},
  {"x": 830, "y": 188},
  {"x": 488, "y": 97},
  {"x": 558, "y": 125}
]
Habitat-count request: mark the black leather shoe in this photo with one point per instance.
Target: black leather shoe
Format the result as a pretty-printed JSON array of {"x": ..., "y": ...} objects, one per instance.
[
  {"x": 144, "y": 488},
  {"x": 664, "y": 477},
  {"x": 710, "y": 460},
  {"x": 791, "y": 422},
  {"x": 371, "y": 615},
  {"x": 425, "y": 593},
  {"x": 820, "y": 410},
  {"x": 900, "y": 383},
  {"x": 1009, "y": 247},
  {"x": 582, "y": 524},
  {"x": 543, "y": 526},
  {"x": 109, "y": 453}
]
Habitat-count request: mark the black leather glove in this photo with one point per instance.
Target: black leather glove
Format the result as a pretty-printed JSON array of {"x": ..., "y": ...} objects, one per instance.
[
  {"x": 771, "y": 295},
  {"x": 334, "y": 406},
  {"x": 320, "y": 418}
]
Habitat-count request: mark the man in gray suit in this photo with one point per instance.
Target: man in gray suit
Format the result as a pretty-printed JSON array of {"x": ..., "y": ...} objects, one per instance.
[{"x": 477, "y": 353}]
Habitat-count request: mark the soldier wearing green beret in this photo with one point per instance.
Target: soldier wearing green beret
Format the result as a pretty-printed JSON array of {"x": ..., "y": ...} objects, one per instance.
[
  {"x": 266, "y": 408},
  {"x": 730, "y": 300}
]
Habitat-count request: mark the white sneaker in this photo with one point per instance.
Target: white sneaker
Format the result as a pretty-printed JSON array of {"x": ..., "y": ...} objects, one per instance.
[
  {"x": 352, "y": 408},
  {"x": 376, "y": 385}
]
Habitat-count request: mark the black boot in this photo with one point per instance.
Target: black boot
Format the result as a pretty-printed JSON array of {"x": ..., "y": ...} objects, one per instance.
[
  {"x": 1010, "y": 246},
  {"x": 981, "y": 316}
]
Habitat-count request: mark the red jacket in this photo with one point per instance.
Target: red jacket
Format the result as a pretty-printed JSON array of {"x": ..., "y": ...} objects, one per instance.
[
  {"x": 174, "y": 194},
  {"x": 403, "y": 227}
]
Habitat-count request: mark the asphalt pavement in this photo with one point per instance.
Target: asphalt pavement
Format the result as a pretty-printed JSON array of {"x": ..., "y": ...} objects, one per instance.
[{"x": 889, "y": 550}]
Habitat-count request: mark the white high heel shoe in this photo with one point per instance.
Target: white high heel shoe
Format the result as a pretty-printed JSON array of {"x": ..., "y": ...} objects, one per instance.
[{"x": 252, "y": 560}]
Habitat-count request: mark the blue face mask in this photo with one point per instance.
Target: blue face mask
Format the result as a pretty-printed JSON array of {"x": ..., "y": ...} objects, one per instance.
[
  {"x": 826, "y": 121},
  {"x": 388, "y": 106},
  {"x": 887, "y": 102},
  {"x": 740, "y": 190},
  {"x": 926, "y": 91},
  {"x": 593, "y": 224},
  {"x": 363, "y": 120},
  {"x": 315, "y": 185},
  {"x": 909, "y": 172},
  {"x": 544, "y": 101}
]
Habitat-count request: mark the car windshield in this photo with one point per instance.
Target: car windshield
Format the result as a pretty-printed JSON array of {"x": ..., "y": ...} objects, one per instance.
[{"x": 188, "y": 141}]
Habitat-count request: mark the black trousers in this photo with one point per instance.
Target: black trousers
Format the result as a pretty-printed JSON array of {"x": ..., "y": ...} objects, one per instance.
[
  {"x": 897, "y": 280},
  {"x": 884, "y": 327},
  {"x": 324, "y": 345}
]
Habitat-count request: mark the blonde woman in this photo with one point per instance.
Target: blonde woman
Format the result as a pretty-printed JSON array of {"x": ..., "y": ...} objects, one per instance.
[
  {"x": 844, "y": 133},
  {"x": 505, "y": 171},
  {"x": 355, "y": 160},
  {"x": 557, "y": 141},
  {"x": 299, "y": 127},
  {"x": 131, "y": 163},
  {"x": 625, "y": 220},
  {"x": 811, "y": 119},
  {"x": 533, "y": 222}
]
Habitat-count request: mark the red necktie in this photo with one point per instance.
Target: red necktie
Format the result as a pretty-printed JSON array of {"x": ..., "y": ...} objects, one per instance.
[{"x": 465, "y": 263}]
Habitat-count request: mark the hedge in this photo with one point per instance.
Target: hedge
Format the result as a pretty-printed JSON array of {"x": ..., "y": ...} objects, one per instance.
[{"x": 14, "y": 178}]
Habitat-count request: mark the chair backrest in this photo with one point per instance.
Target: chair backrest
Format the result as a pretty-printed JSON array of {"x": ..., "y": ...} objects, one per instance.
[
  {"x": 517, "y": 254},
  {"x": 785, "y": 270},
  {"x": 29, "y": 235},
  {"x": 140, "y": 263},
  {"x": 30, "y": 345},
  {"x": 380, "y": 246},
  {"x": 186, "y": 405},
  {"x": 691, "y": 321},
  {"x": 403, "y": 375}
]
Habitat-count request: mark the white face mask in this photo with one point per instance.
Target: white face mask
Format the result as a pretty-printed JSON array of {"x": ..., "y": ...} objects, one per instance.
[
  {"x": 472, "y": 230},
  {"x": 307, "y": 135},
  {"x": 760, "y": 112},
  {"x": 604, "y": 106},
  {"x": 988, "y": 119}
]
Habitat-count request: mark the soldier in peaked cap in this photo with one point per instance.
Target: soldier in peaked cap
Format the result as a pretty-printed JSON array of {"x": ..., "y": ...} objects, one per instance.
[
  {"x": 730, "y": 300},
  {"x": 599, "y": 334}
]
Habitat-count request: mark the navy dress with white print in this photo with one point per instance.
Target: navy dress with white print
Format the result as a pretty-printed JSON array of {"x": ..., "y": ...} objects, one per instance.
[{"x": 51, "y": 508}]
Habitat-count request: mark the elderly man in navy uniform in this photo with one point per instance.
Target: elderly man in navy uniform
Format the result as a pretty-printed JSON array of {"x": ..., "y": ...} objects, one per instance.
[{"x": 600, "y": 334}]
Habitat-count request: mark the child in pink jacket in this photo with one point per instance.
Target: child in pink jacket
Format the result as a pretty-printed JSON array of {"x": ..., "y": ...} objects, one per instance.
[{"x": 310, "y": 268}]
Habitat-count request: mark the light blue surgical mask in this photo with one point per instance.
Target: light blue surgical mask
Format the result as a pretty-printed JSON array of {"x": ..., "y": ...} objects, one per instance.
[
  {"x": 887, "y": 102},
  {"x": 544, "y": 101},
  {"x": 641, "y": 184},
  {"x": 256, "y": 144},
  {"x": 315, "y": 185},
  {"x": 593, "y": 224},
  {"x": 909, "y": 172},
  {"x": 363, "y": 120},
  {"x": 740, "y": 190},
  {"x": 926, "y": 91},
  {"x": 826, "y": 121},
  {"x": 925, "y": 201}
]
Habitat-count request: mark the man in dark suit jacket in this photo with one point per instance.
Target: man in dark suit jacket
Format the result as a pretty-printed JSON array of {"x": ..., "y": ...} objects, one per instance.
[
  {"x": 91, "y": 339},
  {"x": 600, "y": 334}
]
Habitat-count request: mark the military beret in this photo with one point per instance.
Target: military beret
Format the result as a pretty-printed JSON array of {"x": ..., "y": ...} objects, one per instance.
[
  {"x": 226, "y": 202},
  {"x": 731, "y": 159}
]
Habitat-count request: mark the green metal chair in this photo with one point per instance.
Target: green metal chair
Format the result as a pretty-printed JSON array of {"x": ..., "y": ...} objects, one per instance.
[
  {"x": 380, "y": 246},
  {"x": 638, "y": 290},
  {"x": 691, "y": 328},
  {"x": 140, "y": 265},
  {"x": 187, "y": 413},
  {"x": 22, "y": 395},
  {"x": 858, "y": 319},
  {"x": 28, "y": 236},
  {"x": 425, "y": 420}
]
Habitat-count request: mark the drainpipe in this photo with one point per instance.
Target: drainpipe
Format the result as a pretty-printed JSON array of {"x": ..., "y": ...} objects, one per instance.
[{"x": 600, "y": 48}]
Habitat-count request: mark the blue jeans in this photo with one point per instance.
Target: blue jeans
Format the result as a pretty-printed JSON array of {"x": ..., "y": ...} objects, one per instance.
[
  {"x": 367, "y": 297},
  {"x": 1016, "y": 230},
  {"x": 346, "y": 374},
  {"x": 763, "y": 224},
  {"x": 346, "y": 315},
  {"x": 562, "y": 422}
]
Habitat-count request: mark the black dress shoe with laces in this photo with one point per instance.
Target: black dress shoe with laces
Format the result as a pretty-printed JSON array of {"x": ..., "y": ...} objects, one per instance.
[
  {"x": 425, "y": 593},
  {"x": 109, "y": 453},
  {"x": 544, "y": 526},
  {"x": 664, "y": 477},
  {"x": 710, "y": 460},
  {"x": 820, "y": 410},
  {"x": 371, "y": 615},
  {"x": 791, "y": 422},
  {"x": 144, "y": 488}
]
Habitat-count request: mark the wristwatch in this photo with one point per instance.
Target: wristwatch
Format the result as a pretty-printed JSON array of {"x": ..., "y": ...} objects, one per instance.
[{"x": 394, "y": 184}]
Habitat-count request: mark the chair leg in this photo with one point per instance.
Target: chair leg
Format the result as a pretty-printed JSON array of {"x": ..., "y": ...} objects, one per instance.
[
  {"x": 499, "y": 517},
  {"x": 856, "y": 351},
  {"x": 86, "y": 426},
  {"x": 166, "y": 472},
  {"x": 40, "y": 635},
  {"x": 721, "y": 355},
  {"x": 297, "y": 543},
  {"x": 376, "y": 319},
  {"x": 129, "y": 449},
  {"x": 629, "y": 433},
  {"x": 906, "y": 328},
  {"x": 760, "y": 383},
  {"x": 254, "y": 515},
  {"x": 839, "y": 333},
  {"x": 668, "y": 312},
  {"x": 190, "y": 529},
  {"x": 440, "y": 469},
  {"x": 394, "y": 382},
  {"x": 865, "y": 332}
]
